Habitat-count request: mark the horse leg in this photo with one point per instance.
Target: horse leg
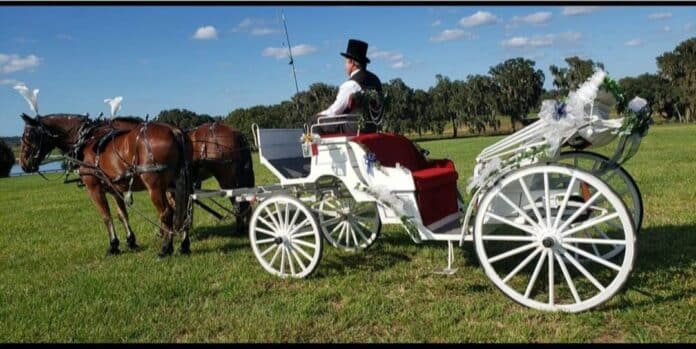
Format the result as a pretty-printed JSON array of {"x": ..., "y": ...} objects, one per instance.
[
  {"x": 185, "y": 247},
  {"x": 99, "y": 198},
  {"x": 229, "y": 181},
  {"x": 123, "y": 215},
  {"x": 166, "y": 214}
]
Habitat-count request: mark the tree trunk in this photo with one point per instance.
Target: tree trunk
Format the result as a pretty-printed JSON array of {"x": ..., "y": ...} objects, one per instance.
[
  {"x": 454, "y": 127},
  {"x": 512, "y": 122}
]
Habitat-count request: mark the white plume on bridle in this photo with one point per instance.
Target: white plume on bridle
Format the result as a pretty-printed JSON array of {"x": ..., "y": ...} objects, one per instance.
[
  {"x": 29, "y": 96},
  {"x": 115, "y": 104}
]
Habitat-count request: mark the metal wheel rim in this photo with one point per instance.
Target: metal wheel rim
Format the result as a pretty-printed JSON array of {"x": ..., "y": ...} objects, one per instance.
[
  {"x": 559, "y": 255},
  {"x": 285, "y": 237},
  {"x": 347, "y": 224}
]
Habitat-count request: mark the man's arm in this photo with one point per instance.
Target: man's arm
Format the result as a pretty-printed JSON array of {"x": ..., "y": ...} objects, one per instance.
[{"x": 341, "y": 103}]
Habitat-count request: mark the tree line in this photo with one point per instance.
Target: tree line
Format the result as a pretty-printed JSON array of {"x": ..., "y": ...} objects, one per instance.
[{"x": 512, "y": 89}]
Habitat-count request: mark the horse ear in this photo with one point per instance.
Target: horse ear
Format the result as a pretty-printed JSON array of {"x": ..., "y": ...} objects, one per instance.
[{"x": 29, "y": 120}]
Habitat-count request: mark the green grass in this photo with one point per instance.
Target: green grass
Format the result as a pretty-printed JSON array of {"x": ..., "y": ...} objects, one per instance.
[{"x": 57, "y": 285}]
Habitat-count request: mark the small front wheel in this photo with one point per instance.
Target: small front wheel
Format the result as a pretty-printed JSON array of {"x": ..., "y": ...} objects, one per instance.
[{"x": 285, "y": 237}]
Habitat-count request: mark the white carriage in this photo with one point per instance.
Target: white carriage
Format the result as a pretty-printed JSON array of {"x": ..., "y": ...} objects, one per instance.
[{"x": 550, "y": 234}]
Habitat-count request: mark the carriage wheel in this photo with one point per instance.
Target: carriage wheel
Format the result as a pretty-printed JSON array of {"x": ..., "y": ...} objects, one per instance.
[
  {"x": 285, "y": 237},
  {"x": 346, "y": 223},
  {"x": 529, "y": 232},
  {"x": 617, "y": 178}
]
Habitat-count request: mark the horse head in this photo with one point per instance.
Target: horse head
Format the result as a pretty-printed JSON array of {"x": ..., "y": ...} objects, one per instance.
[{"x": 37, "y": 142}]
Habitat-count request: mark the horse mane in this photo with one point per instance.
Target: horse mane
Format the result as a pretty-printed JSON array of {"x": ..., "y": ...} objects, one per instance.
[
  {"x": 133, "y": 119},
  {"x": 65, "y": 115}
]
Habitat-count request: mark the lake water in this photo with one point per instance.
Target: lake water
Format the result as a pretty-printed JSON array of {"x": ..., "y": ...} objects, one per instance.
[{"x": 51, "y": 166}]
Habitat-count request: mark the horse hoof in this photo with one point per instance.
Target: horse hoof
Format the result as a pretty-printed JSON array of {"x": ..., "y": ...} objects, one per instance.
[
  {"x": 184, "y": 251},
  {"x": 113, "y": 252},
  {"x": 133, "y": 246}
]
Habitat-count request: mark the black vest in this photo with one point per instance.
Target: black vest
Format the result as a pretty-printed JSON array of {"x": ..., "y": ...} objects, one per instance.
[{"x": 367, "y": 80}]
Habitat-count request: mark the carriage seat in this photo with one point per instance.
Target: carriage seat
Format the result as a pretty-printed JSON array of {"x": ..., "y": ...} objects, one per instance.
[{"x": 435, "y": 180}]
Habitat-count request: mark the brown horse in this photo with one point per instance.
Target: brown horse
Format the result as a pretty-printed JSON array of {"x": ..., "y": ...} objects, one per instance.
[
  {"x": 222, "y": 151},
  {"x": 147, "y": 156}
]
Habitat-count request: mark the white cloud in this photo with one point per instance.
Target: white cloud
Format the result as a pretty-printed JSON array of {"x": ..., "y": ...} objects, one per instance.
[
  {"x": 206, "y": 33},
  {"x": 400, "y": 65},
  {"x": 282, "y": 52},
  {"x": 386, "y": 55},
  {"x": 633, "y": 43},
  {"x": 436, "y": 23},
  {"x": 256, "y": 27},
  {"x": 541, "y": 40},
  {"x": 451, "y": 34},
  {"x": 667, "y": 29},
  {"x": 12, "y": 82},
  {"x": 263, "y": 31},
  {"x": 396, "y": 59},
  {"x": 12, "y": 63},
  {"x": 534, "y": 18},
  {"x": 660, "y": 15},
  {"x": 578, "y": 10},
  {"x": 688, "y": 27},
  {"x": 477, "y": 19}
]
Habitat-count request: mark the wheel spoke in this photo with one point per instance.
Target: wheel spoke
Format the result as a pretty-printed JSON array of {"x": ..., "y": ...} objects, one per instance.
[
  {"x": 303, "y": 234},
  {"x": 292, "y": 265},
  {"x": 332, "y": 221},
  {"x": 271, "y": 216},
  {"x": 513, "y": 252},
  {"x": 579, "y": 211},
  {"x": 297, "y": 258},
  {"x": 267, "y": 223},
  {"x": 531, "y": 202},
  {"x": 282, "y": 260},
  {"x": 509, "y": 237},
  {"x": 359, "y": 230},
  {"x": 281, "y": 223},
  {"x": 304, "y": 243},
  {"x": 301, "y": 225},
  {"x": 522, "y": 265},
  {"x": 336, "y": 227},
  {"x": 265, "y": 241},
  {"x": 522, "y": 227},
  {"x": 590, "y": 223},
  {"x": 561, "y": 210},
  {"x": 328, "y": 213},
  {"x": 265, "y": 252},
  {"x": 535, "y": 274},
  {"x": 264, "y": 231},
  {"x": 593, "y": 257},
  {"x": 294, "y": 217},
  {"x": 594, "y": 241},
  {"x": 347, "y": 230},
  {"x": 582, "y": 270},
  {"x": 275, "y": 255},
  {"x": 551, "y": 282},
  {"x": 340, "y": 235},
  {"x": 568, "y": 279},
  {"x": 547, "y": 198},
  {"x": 301, "y": 251},
  {"x": 353, "y": 234},
  {"x": 519, "y": 210}
]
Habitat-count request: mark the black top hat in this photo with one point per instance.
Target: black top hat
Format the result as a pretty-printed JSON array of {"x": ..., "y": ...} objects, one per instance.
[{"x": 356, "y": 50}]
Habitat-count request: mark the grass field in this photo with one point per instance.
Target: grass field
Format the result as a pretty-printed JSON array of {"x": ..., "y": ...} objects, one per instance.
[{"x": 57, "y": 285}]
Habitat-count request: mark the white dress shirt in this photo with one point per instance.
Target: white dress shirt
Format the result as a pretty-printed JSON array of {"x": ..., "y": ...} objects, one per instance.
[{"x": 339, "y": 106}]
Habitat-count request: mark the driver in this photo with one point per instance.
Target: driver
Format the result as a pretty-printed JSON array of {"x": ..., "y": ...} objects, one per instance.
[{"x": 359, "y": 79}]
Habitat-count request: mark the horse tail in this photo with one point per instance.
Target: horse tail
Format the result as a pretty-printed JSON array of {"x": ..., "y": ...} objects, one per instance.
[
  {"x": 245, "y": 176},
  {"x": 245, "y": 166},
  {"x": 184, "y": 184}
]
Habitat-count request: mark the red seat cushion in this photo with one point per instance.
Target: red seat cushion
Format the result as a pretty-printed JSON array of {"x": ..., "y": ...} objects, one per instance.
[
  {"x": 435, "y": 180},
  {"x": 391, "y": 148}
]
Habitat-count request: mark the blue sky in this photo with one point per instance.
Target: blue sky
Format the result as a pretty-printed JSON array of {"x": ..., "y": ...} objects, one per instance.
[{"x": 213, "y": 59}]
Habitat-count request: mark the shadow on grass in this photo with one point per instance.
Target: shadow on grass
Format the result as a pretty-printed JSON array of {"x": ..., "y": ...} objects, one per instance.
[
  {"x": 660, "y": 250},
  {"x": 225, "y": 228}
]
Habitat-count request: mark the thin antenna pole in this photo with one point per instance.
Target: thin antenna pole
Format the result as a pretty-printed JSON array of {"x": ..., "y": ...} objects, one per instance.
[{"x": 292, "y": 63}]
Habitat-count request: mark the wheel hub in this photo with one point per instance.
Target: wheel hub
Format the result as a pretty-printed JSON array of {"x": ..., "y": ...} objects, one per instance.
[
  {"x": 278, "y": 240},
  {"x": 548, "y": 242}
]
